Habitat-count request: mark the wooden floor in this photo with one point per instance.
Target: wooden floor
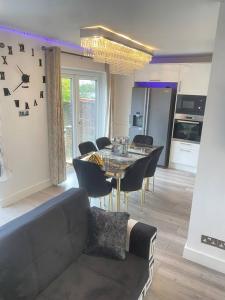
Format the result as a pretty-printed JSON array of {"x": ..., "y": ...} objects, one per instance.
[{"x": 168, "y": 209}]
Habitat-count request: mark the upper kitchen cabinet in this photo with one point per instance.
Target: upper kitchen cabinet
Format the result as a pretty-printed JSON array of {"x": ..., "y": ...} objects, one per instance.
[
  {"x": 158, "y": 72},
  {"x": 194, "y": 79}
]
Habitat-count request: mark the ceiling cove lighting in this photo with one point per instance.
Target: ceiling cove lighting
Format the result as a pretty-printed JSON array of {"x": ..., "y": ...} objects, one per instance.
[
  {"x": 123, "y": 54},
  {"x": 41, "y": 38}
]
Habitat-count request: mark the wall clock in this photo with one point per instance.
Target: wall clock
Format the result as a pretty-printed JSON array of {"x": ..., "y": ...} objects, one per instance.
[{"x": 22, "y": 76}]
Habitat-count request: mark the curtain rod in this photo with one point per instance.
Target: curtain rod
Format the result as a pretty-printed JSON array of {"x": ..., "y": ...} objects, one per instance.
[
  {"x": 70, "y": 53},
  {"x": 80, "y": 55}
]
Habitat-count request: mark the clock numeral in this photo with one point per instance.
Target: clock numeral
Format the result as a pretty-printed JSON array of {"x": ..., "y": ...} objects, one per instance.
[
  {"x": 41, "y": 94},
  {"x": 17, "y": 103},
  {"x": 27, "y": 105},
  {"x": 4, "y": 60},
  {"x": 6, "y": 92},
  {"x": 2, "y": 45},
  {"x": 44, "y": 79},
  {"x": 22, "y": 48},
  {"x": 24, "y": 113},
  {"x": 35, "y": 103},
  {"x": 32, "y": 51},
  {"x": 2, "y": 75},
  {"x": 40, "y": 62},
  {"x": 10, "y": 50}
]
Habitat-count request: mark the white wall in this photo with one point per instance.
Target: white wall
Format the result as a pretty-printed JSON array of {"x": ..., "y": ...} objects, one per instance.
[
  {"x": 122, "y": 104},
  {"x": 25, "y": 138},
  {"x": 80, "y": 63},
  {"x": 208, "y": 208}
]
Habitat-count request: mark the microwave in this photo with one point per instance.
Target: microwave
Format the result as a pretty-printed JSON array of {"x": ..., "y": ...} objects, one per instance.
[{"x": 191, "y": 105}]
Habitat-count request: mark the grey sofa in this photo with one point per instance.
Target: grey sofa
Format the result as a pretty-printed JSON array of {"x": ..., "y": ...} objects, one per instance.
[{"x": 41, "y": 256}]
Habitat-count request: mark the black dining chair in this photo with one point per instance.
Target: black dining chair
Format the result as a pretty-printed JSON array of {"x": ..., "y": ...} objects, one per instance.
[
  {"x": 150, "y": 171},
  {"x": 92, "y": 178},
  {"x": 87, "y": 147},
  {"x": 102, "y": 142},
  {"x": 143, "y": 140},
  {"x": 133, "y": 179}
]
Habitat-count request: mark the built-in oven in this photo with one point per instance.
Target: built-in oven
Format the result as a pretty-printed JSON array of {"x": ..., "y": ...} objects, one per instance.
[
  {"x": 190, "y": 105},
  {"x": 187, "y": 127}
]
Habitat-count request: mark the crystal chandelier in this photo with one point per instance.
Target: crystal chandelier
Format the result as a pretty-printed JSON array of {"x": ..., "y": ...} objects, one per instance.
[{"x": 123, "y": 54}]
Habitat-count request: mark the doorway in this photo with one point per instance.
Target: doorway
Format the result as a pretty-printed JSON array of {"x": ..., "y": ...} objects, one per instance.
[{"x": 84, "y": 106}]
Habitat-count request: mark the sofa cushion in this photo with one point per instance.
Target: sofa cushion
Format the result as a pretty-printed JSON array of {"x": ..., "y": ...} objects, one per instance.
[
  {"x": 79, "y": 282},
  {"x": 132, "y": 273},
  {"x": 107, "y": 233},
  {"x": 38, "y": 246}
]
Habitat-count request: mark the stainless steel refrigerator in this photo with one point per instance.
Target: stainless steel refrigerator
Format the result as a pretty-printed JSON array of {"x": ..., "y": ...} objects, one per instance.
[{"x": 152, "y": 112}]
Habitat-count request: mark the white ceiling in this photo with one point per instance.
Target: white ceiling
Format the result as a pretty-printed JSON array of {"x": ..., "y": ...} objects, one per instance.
[{"x": 172, "y": 26}]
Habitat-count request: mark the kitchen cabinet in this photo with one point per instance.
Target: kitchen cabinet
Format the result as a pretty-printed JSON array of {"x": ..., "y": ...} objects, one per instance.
[
  {"x": 194, "y": 79},
  {"x": 184, "y": 155},
  {"x": 158, "y": 72}
]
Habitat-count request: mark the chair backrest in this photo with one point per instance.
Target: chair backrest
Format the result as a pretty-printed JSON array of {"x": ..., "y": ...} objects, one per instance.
[
  {"x": 38, "y": 246},
  {"x": 154, "y": 155},
  {"x": 134, "y": 175},
  {"x": 143, "y": 140},
  {"x": 87, "y": 147},
  {"x": 103, "y": 142},
  {"x": 91, "y": 178}
]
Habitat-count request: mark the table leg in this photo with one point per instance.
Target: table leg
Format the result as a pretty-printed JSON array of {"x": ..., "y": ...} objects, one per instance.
[
  {"x": 147, "y": 184},
  {"x": 118, "y": 193}
]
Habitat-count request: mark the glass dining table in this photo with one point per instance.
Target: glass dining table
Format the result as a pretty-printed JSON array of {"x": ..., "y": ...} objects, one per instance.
[{"x": 116, "y": 164}]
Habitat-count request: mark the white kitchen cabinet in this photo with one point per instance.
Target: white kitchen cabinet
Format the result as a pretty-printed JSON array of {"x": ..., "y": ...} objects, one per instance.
[
  {"x": 194, "y": 79},
  {"x": 158, "y": 72},
  {"x": 184, "y": 155}
]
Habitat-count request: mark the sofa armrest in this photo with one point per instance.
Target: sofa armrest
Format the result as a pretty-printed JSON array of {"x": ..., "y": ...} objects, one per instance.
[{"x": 141, "y": 239}]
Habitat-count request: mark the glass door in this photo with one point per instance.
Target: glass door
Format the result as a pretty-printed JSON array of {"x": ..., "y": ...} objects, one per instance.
[
  {"x": 67, "y": 92},
  {"x": 87, "y": 109},
  {"x": 84, "y": 105}
]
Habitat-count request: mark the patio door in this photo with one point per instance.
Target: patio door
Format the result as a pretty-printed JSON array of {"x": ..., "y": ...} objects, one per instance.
[
  {"x": 87, "y": 109},
  {"x": 83, "y": 103}
]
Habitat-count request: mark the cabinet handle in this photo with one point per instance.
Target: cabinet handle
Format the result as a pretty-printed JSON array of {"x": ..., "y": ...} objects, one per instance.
[
  {"x": 186, "y": 144},
  {"x": 185, "y": 150}
]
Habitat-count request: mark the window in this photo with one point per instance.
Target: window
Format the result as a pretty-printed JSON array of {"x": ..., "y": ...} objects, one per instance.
[
  {"x": 84, "y": 104},
  {"x": 87, "y": 109}
]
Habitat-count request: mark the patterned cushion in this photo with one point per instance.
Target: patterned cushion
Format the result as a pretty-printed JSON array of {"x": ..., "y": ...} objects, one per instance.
[
  {"x": 107, "y": 232},
  {"x": 95, "y": 158}
]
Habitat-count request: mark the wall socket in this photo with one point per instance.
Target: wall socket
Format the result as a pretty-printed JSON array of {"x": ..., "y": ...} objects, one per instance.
[{"x": 208, "y": 240}]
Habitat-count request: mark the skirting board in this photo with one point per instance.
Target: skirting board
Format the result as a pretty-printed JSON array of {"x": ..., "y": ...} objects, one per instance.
[
  {"x": 183, "y": 167},
  {"x": 25, "y": 193},
  {"x": 204, "y": 259}
]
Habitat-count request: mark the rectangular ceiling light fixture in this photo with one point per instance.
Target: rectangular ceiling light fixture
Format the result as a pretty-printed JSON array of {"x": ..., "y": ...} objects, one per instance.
[{"x": 123, "y": 54}]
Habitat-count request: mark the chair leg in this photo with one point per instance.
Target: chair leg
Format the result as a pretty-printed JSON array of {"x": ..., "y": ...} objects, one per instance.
[
  {"x": 110, "y": 206},
  {"x": 104, "y": 202},
  {"x": 147, "y": 184},
  {"x": 100, "y": 202},
  {"x": 126, "y": 199},
  {"x": 153, "y": 183},
  {"x": 142, "y": 196}
]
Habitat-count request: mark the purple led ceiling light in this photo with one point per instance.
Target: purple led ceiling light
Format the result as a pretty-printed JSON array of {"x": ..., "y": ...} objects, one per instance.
[{"x": 41, "y": 38}]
